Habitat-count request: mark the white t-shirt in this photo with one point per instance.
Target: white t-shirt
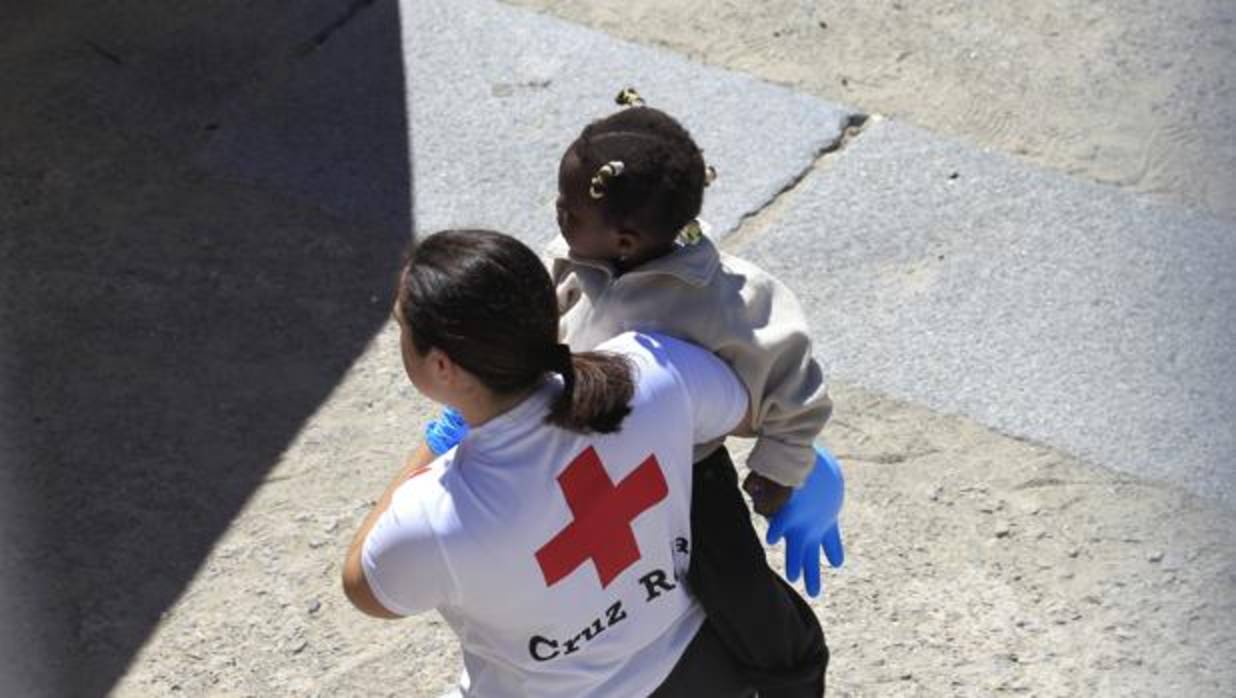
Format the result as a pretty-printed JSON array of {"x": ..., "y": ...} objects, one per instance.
[{"x": 559, "y": 559}]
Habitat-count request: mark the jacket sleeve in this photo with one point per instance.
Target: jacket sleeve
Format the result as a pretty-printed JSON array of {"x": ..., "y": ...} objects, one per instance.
[{"x": 770, "y": 350}]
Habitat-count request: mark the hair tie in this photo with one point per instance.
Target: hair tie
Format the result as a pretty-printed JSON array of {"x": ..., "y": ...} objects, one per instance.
[
  {"x": 710, "y": 174},
  {"x": 628, "y": 97},
  {"x": 600, "y": 181},
  {"x": 691, "y": 233},
  {"x": 558, "y": 360}
]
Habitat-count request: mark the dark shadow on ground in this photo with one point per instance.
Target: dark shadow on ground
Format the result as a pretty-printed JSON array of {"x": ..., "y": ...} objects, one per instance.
[{"x": 201, "y": 209}]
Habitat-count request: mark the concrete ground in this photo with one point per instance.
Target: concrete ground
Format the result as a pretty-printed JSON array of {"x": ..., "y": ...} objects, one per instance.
[
  {"x": 1134, "y": 94},
  {"x": 202, "y": 209}
]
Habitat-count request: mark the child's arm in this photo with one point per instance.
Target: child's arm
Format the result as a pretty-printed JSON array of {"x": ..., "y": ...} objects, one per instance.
[
  {"x": 790, "y": 402},
  {"x": 790, "y": 405}
]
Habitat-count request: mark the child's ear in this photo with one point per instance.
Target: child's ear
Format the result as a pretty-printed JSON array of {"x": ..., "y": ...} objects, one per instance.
[{"x": 628, "y": 242}]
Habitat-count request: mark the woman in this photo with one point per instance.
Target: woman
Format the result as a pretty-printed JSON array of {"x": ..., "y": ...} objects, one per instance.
[{"x": 554, "y": 538}]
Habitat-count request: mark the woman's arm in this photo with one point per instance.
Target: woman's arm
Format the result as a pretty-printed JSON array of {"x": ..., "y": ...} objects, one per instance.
[{"x": 355, "y": 586}]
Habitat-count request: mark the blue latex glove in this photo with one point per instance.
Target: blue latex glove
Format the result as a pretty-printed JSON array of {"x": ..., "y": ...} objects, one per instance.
[
  {"x": 443, "y": 433},
  {"x": 808, "y": 521}
]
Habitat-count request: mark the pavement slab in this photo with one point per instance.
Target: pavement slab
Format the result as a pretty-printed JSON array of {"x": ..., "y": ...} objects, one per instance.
[
  {"x": 496, "y": 94},
  {"x": 1048, "y": 307}
]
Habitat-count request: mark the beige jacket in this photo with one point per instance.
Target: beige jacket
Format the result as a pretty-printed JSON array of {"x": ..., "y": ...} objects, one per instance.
[{"x": 727, "y": 305}]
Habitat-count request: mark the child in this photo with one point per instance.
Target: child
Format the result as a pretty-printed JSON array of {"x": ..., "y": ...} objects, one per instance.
[{"x": 633, "y": 256}]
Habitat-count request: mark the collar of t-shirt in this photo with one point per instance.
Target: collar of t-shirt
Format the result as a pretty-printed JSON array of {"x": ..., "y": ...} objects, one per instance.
[
  {"x": 692, "y": 263},
  {"x": 499, "y": 431}
]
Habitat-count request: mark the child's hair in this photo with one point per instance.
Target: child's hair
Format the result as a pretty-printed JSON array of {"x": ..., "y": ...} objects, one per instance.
[
  {"x": 661, "y": 186},
  {"x": 486, "y": 301}
]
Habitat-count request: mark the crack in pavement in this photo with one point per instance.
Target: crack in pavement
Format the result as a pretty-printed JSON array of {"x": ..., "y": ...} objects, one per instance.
[
  {"x": 756, "y": 221},
  {"x": 886, "y": 458},
  {"x": 319, "y": 39},
  {"x": 110, "y": 56}
]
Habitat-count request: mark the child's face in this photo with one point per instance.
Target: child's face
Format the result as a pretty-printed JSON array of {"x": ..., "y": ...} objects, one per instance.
[{"x": 579, "y": 218}]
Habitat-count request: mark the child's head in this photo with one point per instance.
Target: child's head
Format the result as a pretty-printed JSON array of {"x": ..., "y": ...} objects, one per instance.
[{"x": 628, "y": 185}]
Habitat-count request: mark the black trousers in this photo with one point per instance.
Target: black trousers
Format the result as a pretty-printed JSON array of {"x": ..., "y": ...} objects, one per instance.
[
  {"x": 706, "y": 668},
  {"x": 770, "y": 631}
]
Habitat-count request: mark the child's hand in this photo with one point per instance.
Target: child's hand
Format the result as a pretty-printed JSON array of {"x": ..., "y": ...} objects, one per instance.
[{"x": 767, "y": 496}]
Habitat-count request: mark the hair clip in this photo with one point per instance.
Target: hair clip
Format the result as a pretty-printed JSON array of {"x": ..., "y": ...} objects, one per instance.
[
  {"x": 600, "y": 181},
  {"x": 628, "y": 97},
  {"x": 691, "y": 233},
  {"x": 710, "y": 174}
]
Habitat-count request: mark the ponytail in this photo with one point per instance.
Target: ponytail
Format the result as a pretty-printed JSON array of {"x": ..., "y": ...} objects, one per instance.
[{"x": 596, "y": 395}]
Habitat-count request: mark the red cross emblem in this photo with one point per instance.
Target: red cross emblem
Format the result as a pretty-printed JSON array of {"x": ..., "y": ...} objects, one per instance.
[{"x": 601, "y": 529}]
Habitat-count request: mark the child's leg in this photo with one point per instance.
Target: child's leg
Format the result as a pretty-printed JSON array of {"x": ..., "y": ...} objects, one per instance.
[{"x": 764, "y": 623}]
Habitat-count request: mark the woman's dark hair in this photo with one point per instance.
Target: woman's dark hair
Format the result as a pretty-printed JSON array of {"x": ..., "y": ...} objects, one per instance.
[
  {"x": 661, "y": 187},
  {"x": 487, "y": 302}
]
